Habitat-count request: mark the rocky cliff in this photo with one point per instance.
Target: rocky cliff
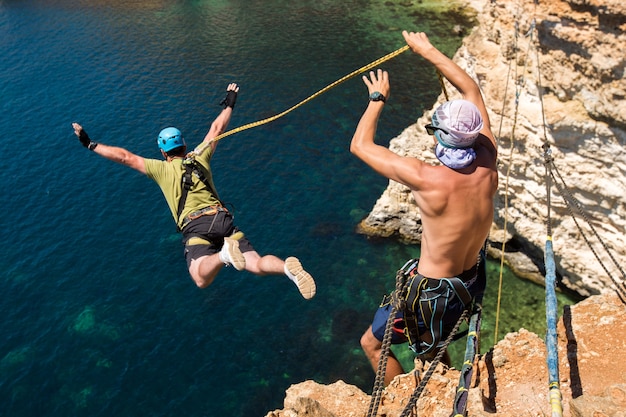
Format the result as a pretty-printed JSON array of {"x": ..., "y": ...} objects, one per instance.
[
  {"x": 551, "y": 73},
  {"x": 510, "y": 381}
]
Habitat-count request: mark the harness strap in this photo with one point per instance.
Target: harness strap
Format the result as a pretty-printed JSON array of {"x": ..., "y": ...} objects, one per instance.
[
  {"x": 186, "y": 184},
  {"x": 460, "y": 290},
  {"x": 431, "y": 297},
  {"x": 191, "y": 167},
  {"x": 196, "y": 240}
]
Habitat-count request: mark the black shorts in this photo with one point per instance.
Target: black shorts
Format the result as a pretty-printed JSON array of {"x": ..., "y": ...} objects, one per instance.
[{"x": 205, "y": 236}]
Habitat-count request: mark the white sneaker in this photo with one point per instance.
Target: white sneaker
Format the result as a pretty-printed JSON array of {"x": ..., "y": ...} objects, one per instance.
[
  {"x": 303, "y": 280},
  {"x": 231, "y": 255}
]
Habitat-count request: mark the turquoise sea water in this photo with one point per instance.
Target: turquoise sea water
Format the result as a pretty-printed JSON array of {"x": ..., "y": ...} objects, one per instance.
[{"x": 99, "y": 315}]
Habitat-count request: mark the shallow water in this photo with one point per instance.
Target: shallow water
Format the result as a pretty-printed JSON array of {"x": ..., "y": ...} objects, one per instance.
[{"x": 100, "y": 316}]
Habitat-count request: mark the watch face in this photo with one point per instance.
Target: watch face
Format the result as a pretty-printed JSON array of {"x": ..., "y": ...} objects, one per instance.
[{"x": 377, "y": 96}]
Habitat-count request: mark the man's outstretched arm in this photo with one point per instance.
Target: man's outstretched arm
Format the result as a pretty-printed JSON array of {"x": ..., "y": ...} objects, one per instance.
[
  {"x": 381, "y": 159},
  {"x": 419, "y": 43},
  {"x": 112, "y": 153},
  {"x": 221, "y": 122}
]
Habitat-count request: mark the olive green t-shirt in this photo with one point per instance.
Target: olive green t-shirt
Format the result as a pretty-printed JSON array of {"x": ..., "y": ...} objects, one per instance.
[{"x": 168, "y": 175}]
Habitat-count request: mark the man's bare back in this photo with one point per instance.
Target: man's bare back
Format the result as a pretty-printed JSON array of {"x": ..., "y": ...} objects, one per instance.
[{"x": 456, "y": 209}]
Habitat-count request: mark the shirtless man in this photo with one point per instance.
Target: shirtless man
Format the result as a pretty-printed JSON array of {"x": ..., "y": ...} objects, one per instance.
[{"x": 455, "y": 199}]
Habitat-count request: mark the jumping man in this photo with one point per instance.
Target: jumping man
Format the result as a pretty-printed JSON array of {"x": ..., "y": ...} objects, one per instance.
[{"x": 211, "y": 239}]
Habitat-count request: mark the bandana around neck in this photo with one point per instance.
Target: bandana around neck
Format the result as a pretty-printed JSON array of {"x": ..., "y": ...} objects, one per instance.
[{"x": 455, "y": 158}]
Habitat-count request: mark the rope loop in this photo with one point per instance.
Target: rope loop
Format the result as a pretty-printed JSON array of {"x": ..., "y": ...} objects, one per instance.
[{"x": 320, "y": 92}]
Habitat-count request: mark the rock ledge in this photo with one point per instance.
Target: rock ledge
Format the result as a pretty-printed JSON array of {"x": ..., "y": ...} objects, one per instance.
[{"x": 510, "y": 380}]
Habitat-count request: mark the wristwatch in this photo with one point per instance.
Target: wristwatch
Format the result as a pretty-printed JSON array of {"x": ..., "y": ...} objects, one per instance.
[{"x": 377, "y": 96}]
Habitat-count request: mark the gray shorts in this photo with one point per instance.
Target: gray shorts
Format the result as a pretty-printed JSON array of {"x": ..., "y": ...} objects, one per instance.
[{"x": 205, "y": 236}]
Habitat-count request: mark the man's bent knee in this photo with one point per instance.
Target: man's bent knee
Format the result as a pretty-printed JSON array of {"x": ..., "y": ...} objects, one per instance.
[
  {"x": 369, "y": 343},
  {"x": 200, "y": 281},
  {"x": 198, "y": 278}
]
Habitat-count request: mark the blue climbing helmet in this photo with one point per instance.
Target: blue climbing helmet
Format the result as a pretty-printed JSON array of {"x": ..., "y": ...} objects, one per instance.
[{"x": 170, "y": 138}]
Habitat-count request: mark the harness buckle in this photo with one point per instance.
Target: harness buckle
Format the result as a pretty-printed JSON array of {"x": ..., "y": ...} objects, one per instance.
[{"x": 207, "y": 211}]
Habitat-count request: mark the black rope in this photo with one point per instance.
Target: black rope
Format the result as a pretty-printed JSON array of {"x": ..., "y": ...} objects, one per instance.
[
  {"x": 547, "y": 152},
  {"x": 571, "y": 200},
  {"x": 410, "y": 406},
  {"x": 398, "y": 304}
]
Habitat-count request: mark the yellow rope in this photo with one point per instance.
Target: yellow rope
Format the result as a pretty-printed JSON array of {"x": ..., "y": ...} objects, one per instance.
[
  {"x": 506, "y": 211},
  {"x": 369, "y": 66},
  {"x": 443, "y": 86},
  {"x": 320, "y": 92},
  {"x": 508, "y": 172}
]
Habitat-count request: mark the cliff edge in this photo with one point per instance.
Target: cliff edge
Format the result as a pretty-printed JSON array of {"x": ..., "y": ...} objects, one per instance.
[{"x": 511, "y": 380}]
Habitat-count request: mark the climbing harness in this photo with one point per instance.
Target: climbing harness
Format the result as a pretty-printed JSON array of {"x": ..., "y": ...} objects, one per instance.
[
  {"x": 193, "y": 168},
  {"x": 379, "y": 385},
  {"x": 207, "y": 211},
  {"x": 410, "y": 406},
  {"x": 412, "y": 296},
  {"x": 430, "y": 297}
]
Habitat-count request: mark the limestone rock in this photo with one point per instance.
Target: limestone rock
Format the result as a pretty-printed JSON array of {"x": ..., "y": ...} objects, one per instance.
[
  {"x": 316, "y": 400},
  {"x": 509, "y": 380},
  {"x": 613, "y": 404}
]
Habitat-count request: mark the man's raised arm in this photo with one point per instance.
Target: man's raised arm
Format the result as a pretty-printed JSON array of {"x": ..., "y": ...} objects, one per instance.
[
  {"x": 419, "y": 43},
  {"x": 112, "y": 153},
  {"x": 223, "y": 119}
]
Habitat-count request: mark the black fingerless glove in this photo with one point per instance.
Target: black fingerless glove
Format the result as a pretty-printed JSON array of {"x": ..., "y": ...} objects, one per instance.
[
  {"x": 229, "y": 100},
  {"x": 84, "y": 139}
]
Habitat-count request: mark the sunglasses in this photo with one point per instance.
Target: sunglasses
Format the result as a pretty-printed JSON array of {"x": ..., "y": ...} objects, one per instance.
[{"x": 430, "y": 129}]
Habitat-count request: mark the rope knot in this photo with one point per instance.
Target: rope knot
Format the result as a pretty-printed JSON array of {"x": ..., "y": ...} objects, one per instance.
[{"x": 398, "y": 301}]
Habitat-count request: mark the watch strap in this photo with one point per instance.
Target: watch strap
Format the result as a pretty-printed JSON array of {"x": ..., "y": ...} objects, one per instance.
[{"x": 377, "y": 96}]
